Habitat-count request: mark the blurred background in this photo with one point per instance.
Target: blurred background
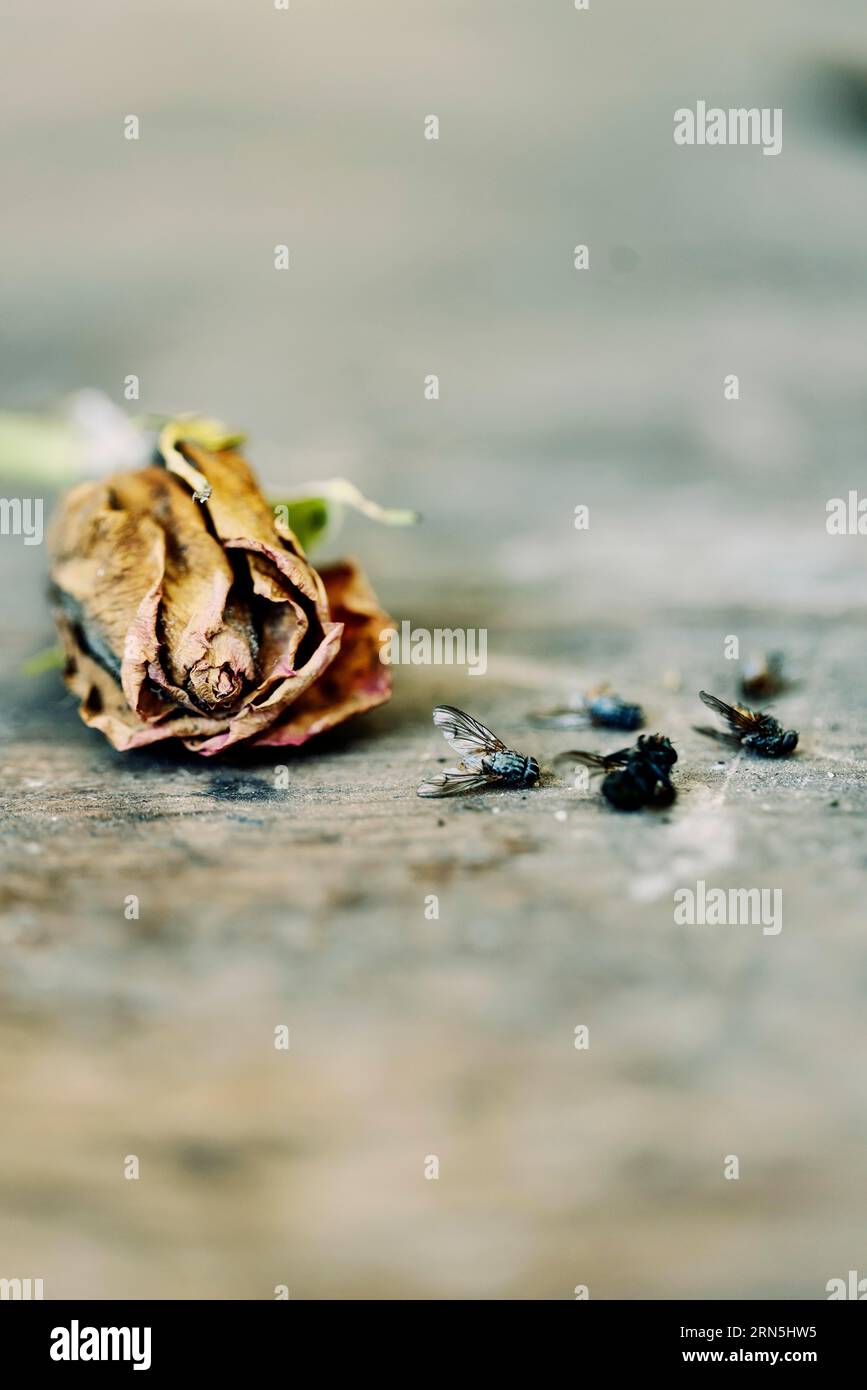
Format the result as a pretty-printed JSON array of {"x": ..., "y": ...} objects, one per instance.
[{"x": 604, "y": 387}]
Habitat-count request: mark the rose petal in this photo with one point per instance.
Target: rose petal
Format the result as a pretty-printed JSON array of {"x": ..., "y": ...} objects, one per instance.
[
  {"x": 357, "y": 680},
  {"x": 168, "y": 636},
  {"x": 253, "y": 718},
  {"x": 104, "y": 707},
  {"x": 109, "y": 570}
]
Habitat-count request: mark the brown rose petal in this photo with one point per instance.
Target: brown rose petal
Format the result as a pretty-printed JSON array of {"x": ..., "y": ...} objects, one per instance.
[
  {"x": 253, "y": 717},
  {"x": 357, "y": 680},
  {"x": 182, "y": 620},
  {"x": 243, "y": 520},
  {"x": 104, "y": 707},
  {"x": 110, "y": 563}
]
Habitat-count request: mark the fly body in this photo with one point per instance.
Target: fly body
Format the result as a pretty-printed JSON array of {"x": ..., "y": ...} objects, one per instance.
[
  {"x": 513, "y": 769},
  {"x": 758, "y": 732},
  {"x": 599, "y": 707},
  {"x": 634, "y": 777},
  {"x": 485, "y": 759},
  {"x": 763, "y": 675}
]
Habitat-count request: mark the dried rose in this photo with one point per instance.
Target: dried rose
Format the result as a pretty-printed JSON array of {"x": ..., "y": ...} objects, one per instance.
[{"x": 202, "y": 620}]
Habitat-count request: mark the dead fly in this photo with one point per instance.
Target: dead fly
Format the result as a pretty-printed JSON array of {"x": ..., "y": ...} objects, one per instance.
[
  {"x": 635, "y": 777},
  {"x": 762, "y": 676},
  {"x": 600, "y": 708},
  {"x": 749, "y": 728},
  {"x": 485, "y": 760}
]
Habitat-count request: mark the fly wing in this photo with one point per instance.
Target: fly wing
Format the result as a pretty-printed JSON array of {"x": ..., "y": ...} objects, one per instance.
[
  {"x": 562, "y": 717},
  {"x": 598, "y": 761},
  {"x": 730, "y": 740},
  {"x": 454, "y": 780},
  {"x": 466, "y": 735},
  {"x": 738, "y": 717}
]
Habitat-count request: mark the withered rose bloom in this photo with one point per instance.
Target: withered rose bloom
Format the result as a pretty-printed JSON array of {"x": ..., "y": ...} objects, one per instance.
[{"x": 204, "y": 621}]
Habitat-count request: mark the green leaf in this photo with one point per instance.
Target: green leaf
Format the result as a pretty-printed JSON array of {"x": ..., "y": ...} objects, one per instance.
[
  {"x": 317, "y": 511},
  {"x": 308, "y": 517},
  {"x": 41, "y": 450},
  {"x": 48, "y": 659}
]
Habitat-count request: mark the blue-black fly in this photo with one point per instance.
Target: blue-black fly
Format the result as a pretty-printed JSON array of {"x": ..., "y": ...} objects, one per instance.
[
  {"x": 634, "y": 777},
  {"x": 600, "y": 708},
  {"x": 485, "y": 759},
  {"x": 763, "y": 675},
  {"x": 751, "y": 729}
]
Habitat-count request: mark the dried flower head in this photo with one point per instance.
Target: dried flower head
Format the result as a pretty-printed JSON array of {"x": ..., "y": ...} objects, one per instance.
[{"x": 188, "y": 610}]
